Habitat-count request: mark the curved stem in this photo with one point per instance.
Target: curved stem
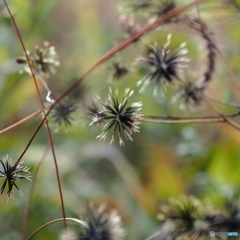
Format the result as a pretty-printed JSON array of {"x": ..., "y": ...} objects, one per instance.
[
  {"x": 23, "y": 120},
  {"x": 45, "y": 116},
  {"x": 57, "y": 220},
  {"x": 27, "y": 208},
  {"x": 154, "y": 235}
]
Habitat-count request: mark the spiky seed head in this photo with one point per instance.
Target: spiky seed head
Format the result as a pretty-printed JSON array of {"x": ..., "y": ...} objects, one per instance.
[
  {"x": 97, "y": 224},
  {"x": 118, "y": 117},
  {"x": 62, "y": 113},
  {"x": 42, "y": 61},
  {"x": 11, "y": 174},
  {"x": 180, "y": 216},
  {"x": 164, "y": 66},
  {"x": 191, "y": 94},
  {"x": 119, "y": 70},
  {"x": 164, "y": 6}
]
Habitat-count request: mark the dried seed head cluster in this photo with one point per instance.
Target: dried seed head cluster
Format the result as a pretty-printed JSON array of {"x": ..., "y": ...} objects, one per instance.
[
  {"x": 164, "y": 66},
  {"x": 118, "y": 117},
  {"x": 11, "y": 175},
  {"x": 98, "y": 224},
  {"x": 119, "y": 70},
  {"x": 188, "y": 218},
  {"x": 62, "y": 113},
  {"x": 191, "y": 94},
  {"x": 42, "y": 61},
  {"x": 179, "y": 216},
  {"x": 164, "y": 6}
]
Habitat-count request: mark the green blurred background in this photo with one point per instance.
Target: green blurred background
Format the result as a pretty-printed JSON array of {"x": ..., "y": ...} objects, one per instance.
[{"x": 163, "y": 160}]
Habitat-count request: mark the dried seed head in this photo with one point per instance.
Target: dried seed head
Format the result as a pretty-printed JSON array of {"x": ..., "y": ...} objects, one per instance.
[
  {"x": 42, "y": 61},
  {"x": 179, "y": 216},
  {"x": 191, "y": 94},
  {"x": 11, "y": 175},
  {"x": 119, "y": 71},
  {"x": 62, "y": 113},
  {"x": 118, "y": 117},
  {"x": 97, "y": 224},
  {"x": 164, "y": 66},
  {"x": 164, "y": 6}
]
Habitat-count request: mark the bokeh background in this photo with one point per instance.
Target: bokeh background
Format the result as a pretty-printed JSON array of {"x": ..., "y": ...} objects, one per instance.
[{"x": 162, "y": 161}]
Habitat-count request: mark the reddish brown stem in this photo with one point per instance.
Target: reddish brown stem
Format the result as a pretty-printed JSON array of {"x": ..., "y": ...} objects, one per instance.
[
  {"x": 46, "y": 121},
  {"x": 27, "y": 209}
]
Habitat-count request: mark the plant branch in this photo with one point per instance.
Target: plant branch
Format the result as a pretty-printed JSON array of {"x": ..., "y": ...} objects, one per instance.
[
  {"x": 190, "y": 117},
  {"x": 27, "y": 209},
  {"x": 57, "y": 220},
  {"x": 186, "y": 121},
  {"x": 45, "y": 117}
]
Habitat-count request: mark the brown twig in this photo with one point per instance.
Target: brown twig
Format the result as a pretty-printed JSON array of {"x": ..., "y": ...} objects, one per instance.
[{"x": 45, "y": 117}]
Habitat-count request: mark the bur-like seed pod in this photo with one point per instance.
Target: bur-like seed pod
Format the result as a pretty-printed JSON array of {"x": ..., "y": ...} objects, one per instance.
[
  {"x": 180, "y": 216},
  {"x": 118, "y": 117},
  {"x": 191, "y": 94},
  {"x": 43, "y": 60},
  {"x": 62, "y": 113},
  {"x": 97, "y": 224},
  {"x": 164, "y": 6},
  {"x": 118, "y": 71},
  {"x": 164, "y": 66},
  {"x": 230, "y": 222},
  {"x": 12, "y": 175}
]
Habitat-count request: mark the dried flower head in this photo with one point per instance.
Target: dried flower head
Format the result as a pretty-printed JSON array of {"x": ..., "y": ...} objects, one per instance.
[
  {"x": 42, "y": 61},
  {"x": 180, "y": 215},
  {"x": 119, "y": 71},
  {"x": 164, "y": 6},
  {"x": 191, "y": 94},
  {"x": 230, "y": 222},
  {"x": 99, "y": 224},
  {"x": 11, "y": 175},
  {"x": 62, "y": 113},
  {"x": 120, "y": 118},
  {"x": 164, "y": 66}
]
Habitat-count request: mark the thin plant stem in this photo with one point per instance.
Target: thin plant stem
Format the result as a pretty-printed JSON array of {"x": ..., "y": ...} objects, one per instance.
[
  {"x": 214, "y": 108},
  {"x": 57, "y": 220},
  {"x": 27, "y": 208},
  {"x": 190, "y": 117},
  {"x": 224, "y": 103},
  {"x": 186, "y": 121},
  {"x": 23, "y": 120},
  {"x": 46, "y": 121},
  {"x": 154, "y": 235}
]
